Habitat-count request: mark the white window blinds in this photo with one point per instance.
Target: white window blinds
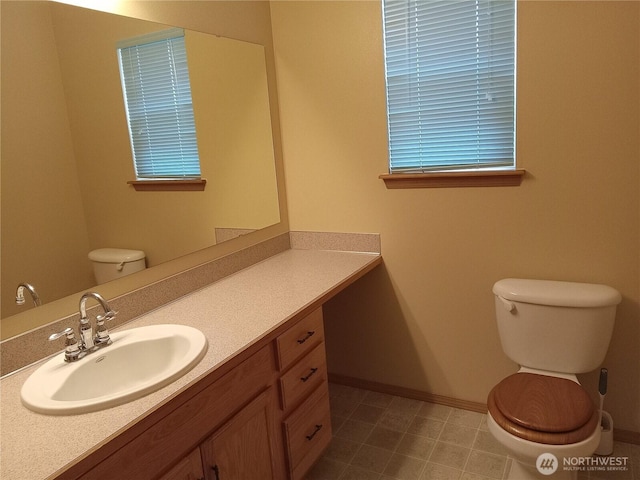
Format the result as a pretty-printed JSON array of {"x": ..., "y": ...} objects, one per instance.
[
  {"x": 450, "y": 71},
  {"x": 157, "y": 91}
]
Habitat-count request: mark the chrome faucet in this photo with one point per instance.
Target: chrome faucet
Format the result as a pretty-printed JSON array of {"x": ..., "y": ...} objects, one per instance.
[
  {"x": 75, "y": 349},
  {"x": 20, "y": 294},
  {"x": 102, "y": 334}
]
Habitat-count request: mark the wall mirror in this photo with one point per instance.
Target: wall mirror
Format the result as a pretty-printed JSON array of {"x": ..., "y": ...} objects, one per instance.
[{"x": 66, "y": 156}]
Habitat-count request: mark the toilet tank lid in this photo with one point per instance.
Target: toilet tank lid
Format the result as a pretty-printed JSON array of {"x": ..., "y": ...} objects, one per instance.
[
  {"x": 115, "y": 255},
  {"x": 556, "y": 293}
]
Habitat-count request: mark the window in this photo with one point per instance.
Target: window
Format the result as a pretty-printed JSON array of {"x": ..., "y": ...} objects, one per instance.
[
  {"x": 450, "y": 72},
  {"x": 157, "y": 93}
]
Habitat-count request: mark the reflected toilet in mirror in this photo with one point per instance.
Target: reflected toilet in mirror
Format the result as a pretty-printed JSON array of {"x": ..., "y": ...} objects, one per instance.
[{"x": 113, "y": 263}]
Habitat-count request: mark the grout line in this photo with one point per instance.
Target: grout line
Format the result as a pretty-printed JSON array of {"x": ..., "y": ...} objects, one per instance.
[{"x": 475, "y": 436}]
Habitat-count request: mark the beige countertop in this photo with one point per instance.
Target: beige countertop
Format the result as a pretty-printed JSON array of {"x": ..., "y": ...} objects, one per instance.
[{"x": 233, "y": 313}]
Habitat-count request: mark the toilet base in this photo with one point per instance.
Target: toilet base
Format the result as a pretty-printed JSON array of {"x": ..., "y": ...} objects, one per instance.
[
  {"x": 520, "y": 471},
  {"x": 524, "y": 454}
]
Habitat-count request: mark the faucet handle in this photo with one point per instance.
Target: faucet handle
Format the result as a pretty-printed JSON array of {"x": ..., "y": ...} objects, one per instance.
[
  {"x": 72, "y": 348},
  {"x": 67, "y": 331},
  {"x": 110, "y": 315},
  {"x": 102, "y": 334}
]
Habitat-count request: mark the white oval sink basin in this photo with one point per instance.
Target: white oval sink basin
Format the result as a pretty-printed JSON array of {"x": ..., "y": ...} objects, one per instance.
[{"x": 139, "y": 361}]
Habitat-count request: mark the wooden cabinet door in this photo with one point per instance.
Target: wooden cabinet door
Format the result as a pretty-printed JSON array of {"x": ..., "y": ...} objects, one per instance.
[
  {"x": 242, "y": 448},
  {"x": 189, "y": 468}
]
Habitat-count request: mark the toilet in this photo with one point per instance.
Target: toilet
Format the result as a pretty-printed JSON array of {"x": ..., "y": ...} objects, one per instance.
[
  {"x": 112, "y": 263},
  {"x": 553, "y": 330}
]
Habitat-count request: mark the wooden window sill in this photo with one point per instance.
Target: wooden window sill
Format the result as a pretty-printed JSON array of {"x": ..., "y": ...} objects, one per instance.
[
  {"x": 480, "y": 178},
  {"x": 168, "y": 185}
]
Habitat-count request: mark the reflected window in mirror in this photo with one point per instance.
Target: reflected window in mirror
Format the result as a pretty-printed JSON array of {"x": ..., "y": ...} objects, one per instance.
[{"x": 159, "y": 107}]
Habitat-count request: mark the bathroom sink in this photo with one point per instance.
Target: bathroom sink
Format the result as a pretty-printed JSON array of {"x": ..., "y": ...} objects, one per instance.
[{"x": 139, "y": 361}]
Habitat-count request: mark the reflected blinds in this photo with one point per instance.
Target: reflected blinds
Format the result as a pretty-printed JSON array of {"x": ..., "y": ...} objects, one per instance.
[{"x": 156, "y": 86}]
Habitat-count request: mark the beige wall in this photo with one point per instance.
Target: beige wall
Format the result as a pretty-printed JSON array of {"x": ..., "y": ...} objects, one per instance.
[
  {"x": 231, "y": 104},
  {"x": 426, "y": 320},
  {"x": 40, "y": 244}
]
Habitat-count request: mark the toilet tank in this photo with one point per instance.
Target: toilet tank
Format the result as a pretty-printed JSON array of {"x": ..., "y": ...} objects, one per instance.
[
  {"x": 112, "y": 263},
  {"x": 556, "y": 326}
]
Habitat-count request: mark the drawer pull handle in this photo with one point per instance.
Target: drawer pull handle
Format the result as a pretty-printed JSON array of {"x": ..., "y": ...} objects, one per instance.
[
  {"x": 216, "y": 470},
  {"x": 318, "y": 428},
  {"x": 306, "y": 337},
  {"x": 313, "y": 370}
]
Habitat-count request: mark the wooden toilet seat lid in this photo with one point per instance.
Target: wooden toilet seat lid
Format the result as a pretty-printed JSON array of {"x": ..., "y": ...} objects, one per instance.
[{"x": 543, "y": 403}]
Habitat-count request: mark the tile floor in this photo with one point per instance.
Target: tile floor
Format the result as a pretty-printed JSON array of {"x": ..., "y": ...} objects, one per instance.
[{"x": 383, "y": 437}]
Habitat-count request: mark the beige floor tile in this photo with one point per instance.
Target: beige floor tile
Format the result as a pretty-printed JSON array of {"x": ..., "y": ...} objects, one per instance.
[
  {"x": 356, "y": 473},
  {"x": 435, "y": 411},
  {"x": 343, "y": 406},
  {"x": 458, "y": 434},
  {"x": 405, "y": 405},
  {"x": 341, "y": 450},
  {"x": 371, "y": 458},
  {"x": 486, "y": 464},
  {"x": 395, "y": 420},
  {"x": 472, "y": 476},
  {"x": 449, "y": 455},
  {"x": 427, "y": 427},
  {"x": 384, "y": 438},
  {"x": 367, "y": 413},
  {"x": 355, "y": 431},
  {"x": 377, "y": 399},
  {"x": 416, "y": 446},
  {"x": 404, "y": 468},
  {"x": 327, "y": 469},
  {"x": 487, "y": 443},
  {"x": 343, "y": 391},
  {"x": 434, "y": 471},
  {"x": 483, "y": 423},
  {"x": 465, "y": 417},
  {"x": 336, "y": 421}
]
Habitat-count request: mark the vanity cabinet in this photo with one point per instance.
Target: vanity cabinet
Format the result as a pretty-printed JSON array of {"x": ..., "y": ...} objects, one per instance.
[
  {"x": 239, "y": 449},
  {"x": 173, "y": 432},
  {"x": 189, "y": 468},
  {"x": 265, "y": 416}
]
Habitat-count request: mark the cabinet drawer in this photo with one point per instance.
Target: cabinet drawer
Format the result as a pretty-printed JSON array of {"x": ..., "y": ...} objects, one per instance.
[
  {"x": 308, "y": 432},
  {"x": 300, "y": 339},
  {"x": 303, "y": 377}
]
